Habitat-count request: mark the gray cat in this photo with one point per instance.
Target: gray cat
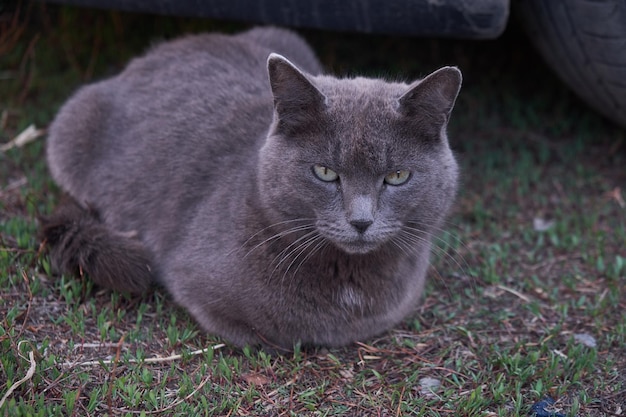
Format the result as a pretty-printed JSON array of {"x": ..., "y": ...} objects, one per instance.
[{"x": 275, "y": 204}]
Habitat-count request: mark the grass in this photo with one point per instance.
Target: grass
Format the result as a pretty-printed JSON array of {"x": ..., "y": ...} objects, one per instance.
[{"x": 507, "y": 304}]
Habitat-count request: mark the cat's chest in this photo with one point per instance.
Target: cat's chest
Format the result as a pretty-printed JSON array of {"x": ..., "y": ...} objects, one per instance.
[
  {"x": 359, "y": 287},
  {"x": 352, "y": 297}
]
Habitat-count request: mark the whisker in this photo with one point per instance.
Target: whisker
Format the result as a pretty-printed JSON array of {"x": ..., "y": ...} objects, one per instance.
[
  {"x": 321, "y": 243},
  {"x": 301, "y": 250},
  {"x": 442, "y": 231},
  {"x": 438, "y": 238},
  {"x": 294, "y": 246},
  {"x": 271, "y": 226},
  {"x": 449, "y": 259},
  {"x": 277, "y": 236},
  {"x": 297, "y": 251},
  {"x": 409, "y": 240},
  {"x": 409, "y": 233},
  {"x": 401, "y": 244}
]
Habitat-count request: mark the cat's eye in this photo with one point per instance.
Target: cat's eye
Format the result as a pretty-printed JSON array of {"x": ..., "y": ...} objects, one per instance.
[
  {"x": 398, "y": 177},
  {"x": 324, "y": 173}
]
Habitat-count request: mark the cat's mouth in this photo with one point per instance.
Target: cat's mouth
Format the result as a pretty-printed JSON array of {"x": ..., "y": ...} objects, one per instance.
[
  {"x": 358, "y": 246},
  {"x": 354, "y": 243}
]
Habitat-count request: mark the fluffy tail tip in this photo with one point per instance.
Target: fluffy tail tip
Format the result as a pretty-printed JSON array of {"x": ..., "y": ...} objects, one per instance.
[{"x": 79, "y": 243}]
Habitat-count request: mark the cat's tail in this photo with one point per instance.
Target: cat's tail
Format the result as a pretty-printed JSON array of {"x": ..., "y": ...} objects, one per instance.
[{"x": 80, "y": 243}]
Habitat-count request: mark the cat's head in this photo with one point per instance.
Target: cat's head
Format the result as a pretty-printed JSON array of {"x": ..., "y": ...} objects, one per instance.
[{"x": 362, "y": 162}]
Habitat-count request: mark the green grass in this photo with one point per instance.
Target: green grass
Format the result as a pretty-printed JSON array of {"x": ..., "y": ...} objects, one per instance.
[{"x": 497, "y": 329}]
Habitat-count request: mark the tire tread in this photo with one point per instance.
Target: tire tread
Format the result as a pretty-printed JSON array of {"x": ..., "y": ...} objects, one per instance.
[{"x": 584, "y": 41}]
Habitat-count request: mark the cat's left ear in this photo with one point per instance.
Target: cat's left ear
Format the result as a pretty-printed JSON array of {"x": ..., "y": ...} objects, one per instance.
[
  {"x": 433, "y": 96},
  {"x": 296, "y": 100}
]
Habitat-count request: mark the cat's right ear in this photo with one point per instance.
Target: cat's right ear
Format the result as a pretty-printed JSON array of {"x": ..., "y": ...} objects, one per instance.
[{"x": 296, "y": 100}]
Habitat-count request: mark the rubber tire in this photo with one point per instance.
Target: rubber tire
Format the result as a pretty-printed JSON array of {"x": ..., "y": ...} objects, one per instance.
[{"x": 584, "y": 41}]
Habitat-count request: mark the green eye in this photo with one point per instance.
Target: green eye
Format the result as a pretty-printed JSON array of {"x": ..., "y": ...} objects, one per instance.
[
  {"x": 398, "y": 177},
  {"x": 324, "y": 173}
]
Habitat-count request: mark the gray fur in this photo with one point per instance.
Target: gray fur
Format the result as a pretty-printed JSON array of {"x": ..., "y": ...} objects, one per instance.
[{"x": 196, "y": 154}]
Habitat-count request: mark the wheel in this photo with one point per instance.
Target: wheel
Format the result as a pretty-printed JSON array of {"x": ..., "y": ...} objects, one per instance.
[{"x": 584, "y": 41}]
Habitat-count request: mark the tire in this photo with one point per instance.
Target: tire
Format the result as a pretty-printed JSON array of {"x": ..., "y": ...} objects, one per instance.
[
  {"x": 476, "y": 19},
  {"x": 584, "y": 41}
]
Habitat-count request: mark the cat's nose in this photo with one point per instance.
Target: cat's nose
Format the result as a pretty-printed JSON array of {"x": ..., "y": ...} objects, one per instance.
[{"x": 361, "y": 225}]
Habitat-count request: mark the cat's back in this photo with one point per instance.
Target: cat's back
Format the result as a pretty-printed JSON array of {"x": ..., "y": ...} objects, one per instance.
[
  {"x": 203, "y": 77},
  {"x": 202, "y": 94},
  {"x": 169, "y": 125}
]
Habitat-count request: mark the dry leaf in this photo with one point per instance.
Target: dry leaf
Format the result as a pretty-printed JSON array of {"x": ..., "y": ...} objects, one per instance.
[
  {"x": 585, "y": 339},
  {"x": 541, "y": 225},
  {"x": 428, "y": 386},
  {"x": 616, "y": 194},
  {"x": 27, "y": 136},
  {"x": 256, "y": 379}
]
